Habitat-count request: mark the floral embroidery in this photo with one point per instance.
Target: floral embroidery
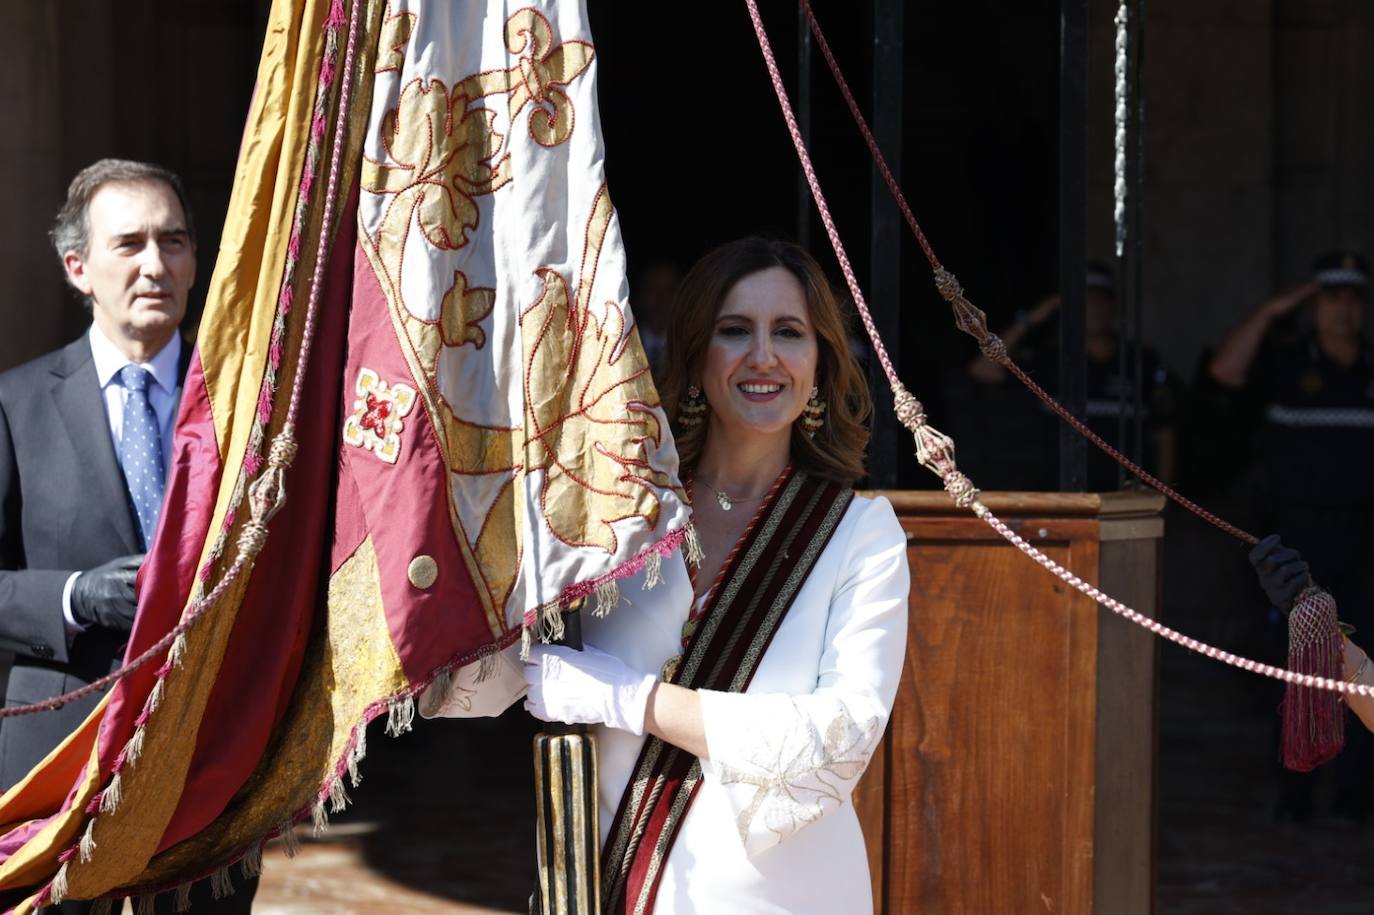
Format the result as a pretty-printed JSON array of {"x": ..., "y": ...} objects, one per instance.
[
  {"x": 797, "y": 771},
  {"x": 376, "y": 421}
]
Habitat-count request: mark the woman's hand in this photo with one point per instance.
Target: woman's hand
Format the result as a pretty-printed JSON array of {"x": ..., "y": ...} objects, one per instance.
[{"x": 586, "y": 687}]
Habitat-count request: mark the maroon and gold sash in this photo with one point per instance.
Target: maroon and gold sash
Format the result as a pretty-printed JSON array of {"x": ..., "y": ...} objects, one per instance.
[{"x": 753, "y": 597}]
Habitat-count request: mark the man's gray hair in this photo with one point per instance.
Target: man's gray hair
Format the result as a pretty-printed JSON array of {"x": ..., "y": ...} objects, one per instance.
[{"x": 71, "y": 230}]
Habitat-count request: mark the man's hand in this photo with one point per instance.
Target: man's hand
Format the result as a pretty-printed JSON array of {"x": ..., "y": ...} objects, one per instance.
[
  {"x": 104, "y": 596},
  {"x": 1282, "y": 571}
]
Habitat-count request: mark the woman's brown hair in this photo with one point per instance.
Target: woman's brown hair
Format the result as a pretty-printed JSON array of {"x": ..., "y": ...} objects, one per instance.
[{"x": 836, "y": 452}]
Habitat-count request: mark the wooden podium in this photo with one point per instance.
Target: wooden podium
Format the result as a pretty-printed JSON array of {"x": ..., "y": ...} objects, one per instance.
[{"x": 1018, "y": 771}]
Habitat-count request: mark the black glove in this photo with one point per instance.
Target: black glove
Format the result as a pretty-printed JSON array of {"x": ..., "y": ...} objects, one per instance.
[
  {"x": 104, "y": 596},
  {"x": 1282, "y": 572}
]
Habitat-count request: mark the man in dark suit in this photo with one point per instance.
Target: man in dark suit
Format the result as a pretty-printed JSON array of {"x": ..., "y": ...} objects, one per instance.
[{"x": 85, "y": 444}]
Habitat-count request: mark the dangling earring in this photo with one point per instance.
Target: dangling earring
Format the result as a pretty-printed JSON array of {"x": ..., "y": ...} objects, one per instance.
[
  {"x": 813, "y": 415},
  {"x": 691, "y": 410}
]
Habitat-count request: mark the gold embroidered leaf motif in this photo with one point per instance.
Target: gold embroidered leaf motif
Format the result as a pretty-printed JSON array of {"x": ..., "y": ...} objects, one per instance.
[
  {"x": 589, "y": 406},
  {"x": 394, "y": 36},
  {"x": 797, "y": 770},
  {"x": 540, "y": 74},
  {"x": 439, "y": 157},
  {"x": 462, "y": 311}
]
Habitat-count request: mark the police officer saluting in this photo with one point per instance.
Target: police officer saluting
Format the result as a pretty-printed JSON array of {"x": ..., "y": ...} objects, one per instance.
[{"x": 1312, "y": 383}]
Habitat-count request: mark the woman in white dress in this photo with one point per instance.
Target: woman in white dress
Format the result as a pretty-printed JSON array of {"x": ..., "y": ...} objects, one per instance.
[{"x": 738, "y": 703}]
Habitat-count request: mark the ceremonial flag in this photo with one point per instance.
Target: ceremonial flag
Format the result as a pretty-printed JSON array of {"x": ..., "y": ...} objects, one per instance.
[{"x": 419, "y": 422}]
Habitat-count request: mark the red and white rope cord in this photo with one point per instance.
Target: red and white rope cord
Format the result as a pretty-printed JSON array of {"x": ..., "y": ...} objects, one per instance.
[
  {"x": 1158, "y": 628},
  {"x": 861, "y": 305}
]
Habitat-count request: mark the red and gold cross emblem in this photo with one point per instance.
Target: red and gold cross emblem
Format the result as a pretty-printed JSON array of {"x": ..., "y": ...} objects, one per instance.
[{"x": 378, "y": 411}]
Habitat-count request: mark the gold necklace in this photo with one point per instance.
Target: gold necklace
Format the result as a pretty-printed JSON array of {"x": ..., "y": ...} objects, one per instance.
[{"x": 726, "y": 501}]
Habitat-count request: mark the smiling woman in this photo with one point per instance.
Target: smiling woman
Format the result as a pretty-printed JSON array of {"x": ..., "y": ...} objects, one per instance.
[
  {"x": 740, "y": 703},
  {"x": 713, "y": 315}
]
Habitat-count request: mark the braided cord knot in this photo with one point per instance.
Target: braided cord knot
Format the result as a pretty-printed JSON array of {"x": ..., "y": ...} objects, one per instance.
[
  {"x": 967, "y": 317},
  {"x": 994, "y": 349}
]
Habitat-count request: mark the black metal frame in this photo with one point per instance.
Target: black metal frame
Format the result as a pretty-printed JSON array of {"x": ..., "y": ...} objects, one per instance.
[{"x": 1073, "y": 230}]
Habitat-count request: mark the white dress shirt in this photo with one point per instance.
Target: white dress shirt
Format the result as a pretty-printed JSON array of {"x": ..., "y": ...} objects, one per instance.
[{"x": 163, "y": 395}]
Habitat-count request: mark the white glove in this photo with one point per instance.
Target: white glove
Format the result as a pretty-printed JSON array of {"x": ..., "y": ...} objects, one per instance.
[{"x": 586, "y": 687}]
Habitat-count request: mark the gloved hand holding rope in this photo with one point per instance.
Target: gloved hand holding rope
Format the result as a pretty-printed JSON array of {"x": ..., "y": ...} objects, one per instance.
[{"x": 1284, "y": 576}]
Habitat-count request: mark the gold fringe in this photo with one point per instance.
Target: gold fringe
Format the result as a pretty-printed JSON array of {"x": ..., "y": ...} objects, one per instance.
[
  {"x": 250, "y": 865},
  {"x": 113, "y": 794},
  {"x": 134, "y": 749},
  {"x": 102, "y": 906},
  {"x": 356, "y": 755},
  {"x": 551, "y": 622},
  {"x": 291, "y": 843},
  {"x": 525, "y": 638},
  {"x": 338, "y": 796},
  {"x": 400, "y": 717},
  {"x": 155, "y": 697},
  {"x": 319, "y": 816},
  {"x": 486, "y": 664},
  {"x": 144, "y": 905},
  {"x": 439, "y": 686},
  {"x": 87, "y": 846},
  {"x": 182, "y": 901},
  {"x": 653, "y": 570},
  {"x": 178, "y": 650},
  {"x": 58, "y": 891},
  {"x": 221, "y": 885},
  {"x": 691, "y": 546},
  {"x": 607, "y": 597}
]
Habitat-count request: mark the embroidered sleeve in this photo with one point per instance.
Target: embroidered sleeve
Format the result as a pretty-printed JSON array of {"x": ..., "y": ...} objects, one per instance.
[{"x": 785, "y": 761}]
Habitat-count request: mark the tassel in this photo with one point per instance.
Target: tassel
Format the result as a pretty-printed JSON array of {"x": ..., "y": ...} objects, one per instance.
[
  {"x": 691, "y": 545},
  {"x": 178, "y": 650},
  {"x": 319, "y": 816},
  {"x": 525, "y": 639},
  {"x": 221, "y": 886},
  {"x": 355, "y": 756},
  {"x": 1313, "y": 719},
  {"x": 102, "y": 906},
  {"x": 144, "y": 905},
  {"x": 607, "y": 596},
  {"x": 338, "y": 796},
  {"x": 400, "y": 717},
  {"x": 486, "y": 665},
  {"x": 653, "y": 570},
  {"x": 291, "y": 843},
  {"x": 87, "y": 846},
  {"x": 58, "y": 890},
  {"x": 439, "y": 686},
  {"x": 182, "y": 901},
  {"x": 550, "y": 623},
  {"x": 112, "y": 795},
  {"x": 250, "y": 865},
  {"x": 155, "y": 697},
  {"x": 134, "y": 748}
]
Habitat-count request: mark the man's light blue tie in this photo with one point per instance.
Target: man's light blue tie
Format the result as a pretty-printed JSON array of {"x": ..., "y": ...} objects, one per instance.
[{"x": 140, "y": 451}]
